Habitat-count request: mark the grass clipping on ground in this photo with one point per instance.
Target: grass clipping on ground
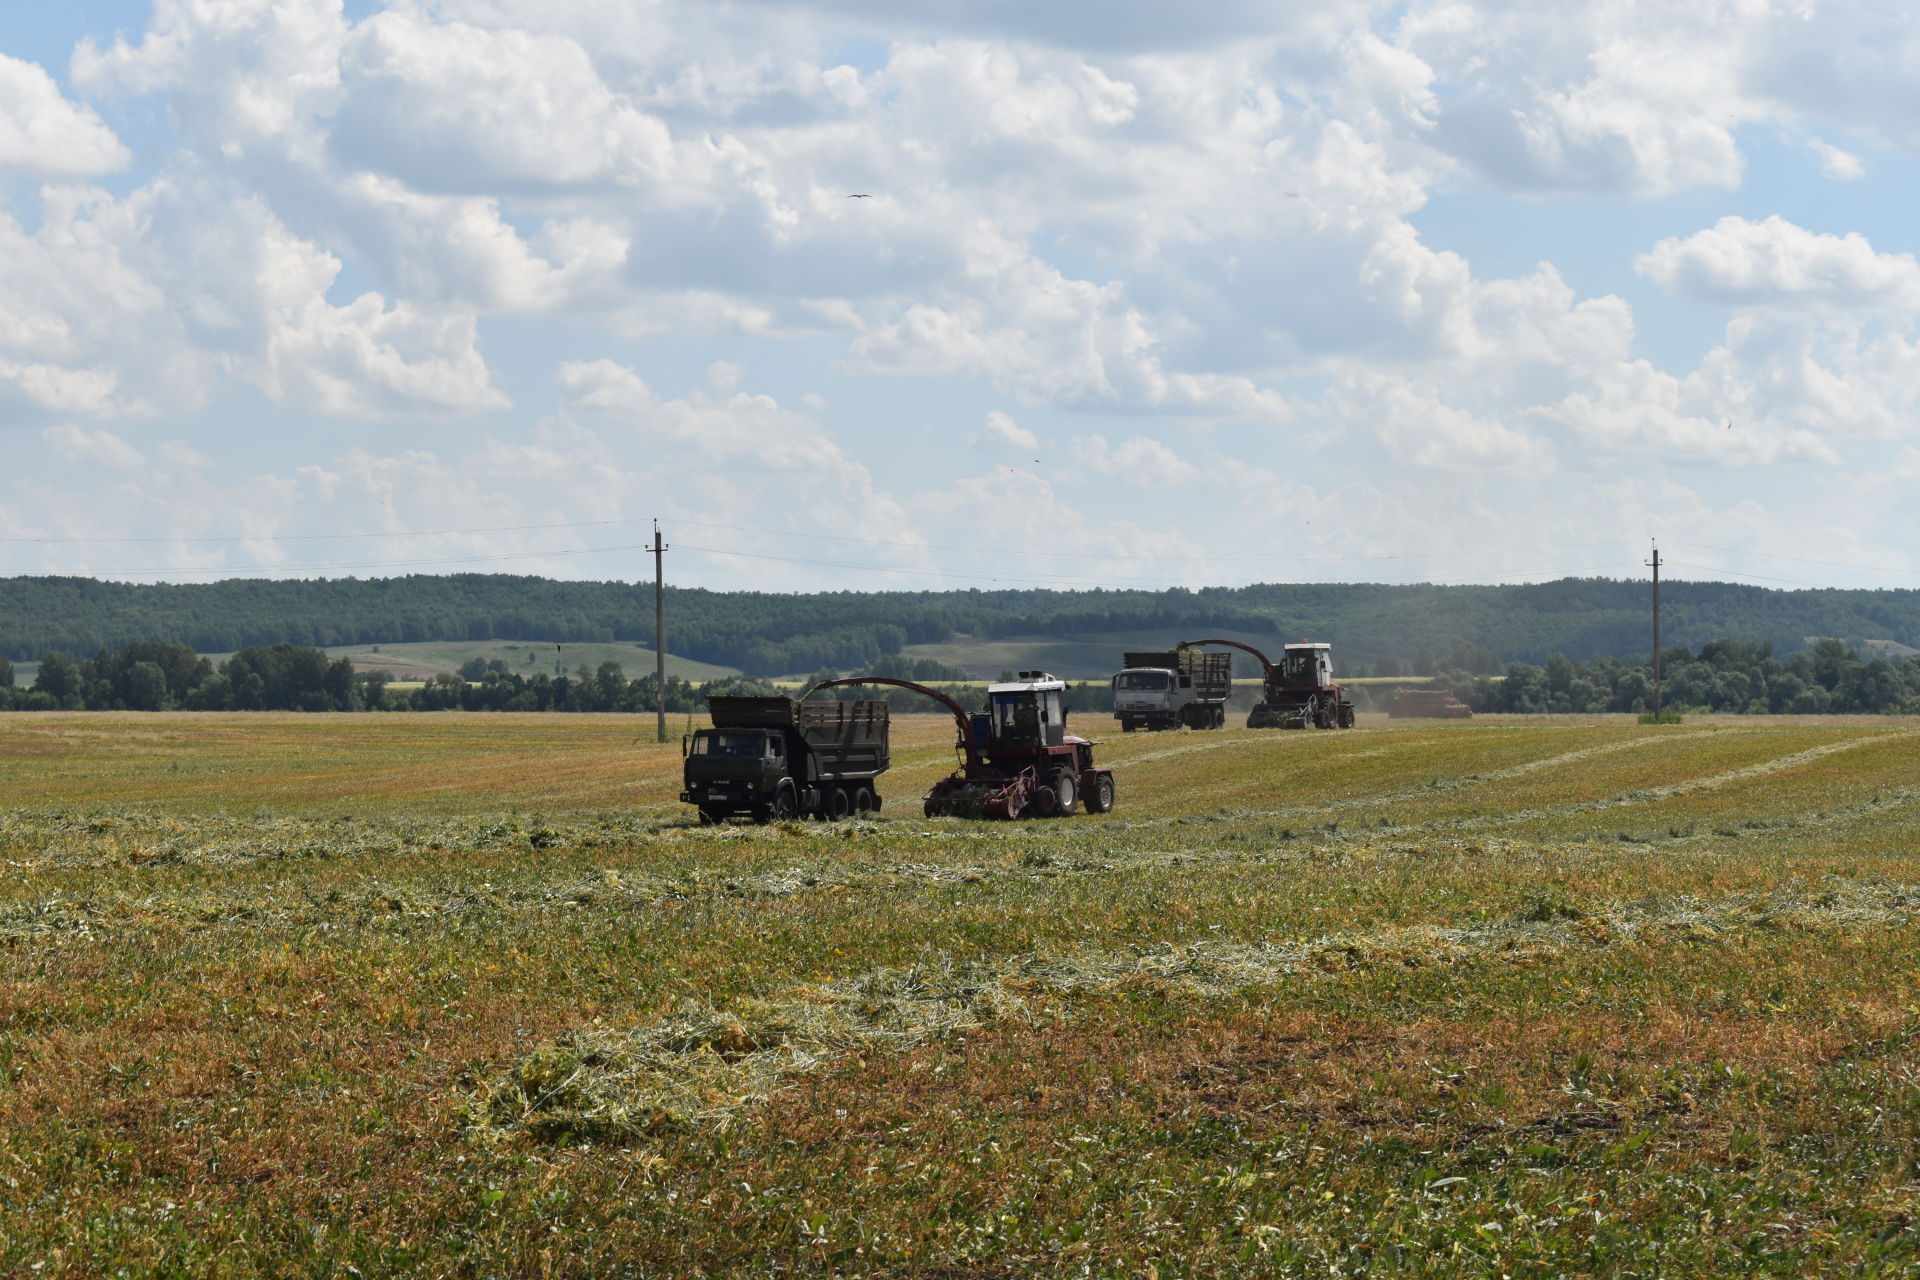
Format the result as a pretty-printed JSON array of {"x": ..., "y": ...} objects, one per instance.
[{"x": 705, "y": 1065}]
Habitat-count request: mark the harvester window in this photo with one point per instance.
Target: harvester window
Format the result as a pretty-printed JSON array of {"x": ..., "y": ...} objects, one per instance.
[{"x": 1016, "y": 717}]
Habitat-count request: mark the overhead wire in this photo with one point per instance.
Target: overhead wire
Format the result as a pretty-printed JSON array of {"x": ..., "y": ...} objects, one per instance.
[
  {"x": 1775, "y": 555},
  {"x": 788, "y": 533}
]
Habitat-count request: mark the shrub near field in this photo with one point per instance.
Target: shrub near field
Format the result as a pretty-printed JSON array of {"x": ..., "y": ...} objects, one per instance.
[{"x": 471, "y": 995}]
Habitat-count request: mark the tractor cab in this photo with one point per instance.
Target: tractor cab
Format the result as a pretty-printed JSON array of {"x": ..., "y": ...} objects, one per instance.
[
  {"x": 1307, "y": 666},
  {"x": 1027, "y": 714}
]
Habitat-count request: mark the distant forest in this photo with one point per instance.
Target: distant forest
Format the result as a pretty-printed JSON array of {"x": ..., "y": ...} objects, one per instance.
[
  {"x": 764, "y": 633},
  {"x": 1724, "y": 676}
]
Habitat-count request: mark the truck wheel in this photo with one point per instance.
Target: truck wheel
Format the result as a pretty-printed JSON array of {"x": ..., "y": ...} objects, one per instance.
[
  {"x": 1100, "y": 796},
  {"x": 1219, "y": 717},
  {"x": 1127, "y": 726},
  {"x": 1066, "y": 793},
  {"x": 863, "y": 801},
  {"x": 712, "y": 817},
  {"x": 836, "y": 803},
  {"x": 783, "y": 805}
]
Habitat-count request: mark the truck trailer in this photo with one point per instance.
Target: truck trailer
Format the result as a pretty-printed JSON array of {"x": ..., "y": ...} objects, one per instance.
[
  {"x": 1178, "y": 687},
  {"x": 775, "y": 758}
]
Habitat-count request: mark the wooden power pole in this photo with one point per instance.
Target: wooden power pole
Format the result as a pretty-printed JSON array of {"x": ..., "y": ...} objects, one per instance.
[
  {"x": 1655, "y": 562},
  {"x": 659, "y": 633}
]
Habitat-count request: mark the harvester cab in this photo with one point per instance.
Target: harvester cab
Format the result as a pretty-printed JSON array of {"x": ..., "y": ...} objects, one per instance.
[
  {"x": 1302, "y": 692},
  {"x": 1026, "y": 715}
]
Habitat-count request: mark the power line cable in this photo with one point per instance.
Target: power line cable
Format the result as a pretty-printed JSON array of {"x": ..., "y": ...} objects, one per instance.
[
  {"x": 1775, "y": 555},
  {"x": 367, "y": 564},
  {"x": 1759, "y": 577},
  {"x": 787, "y": 533}
]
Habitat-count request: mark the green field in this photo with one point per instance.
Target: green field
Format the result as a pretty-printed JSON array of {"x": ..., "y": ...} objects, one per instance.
[{"x": 470, "y": 995}]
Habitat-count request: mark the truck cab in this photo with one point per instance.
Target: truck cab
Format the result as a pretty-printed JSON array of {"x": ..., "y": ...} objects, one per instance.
[
  {"x": 733, "y": 769},
  {"x": 1145, "y": 697}
]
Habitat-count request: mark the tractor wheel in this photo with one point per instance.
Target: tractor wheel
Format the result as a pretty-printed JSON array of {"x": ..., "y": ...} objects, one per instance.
[
  {"x": 835, "y": 803},
  {"x": 863, "y": 802},
  {"x": 1066, "y": 793},
  {"x": 1100, "y": 799},
  {"x": 784, "y": 805}
]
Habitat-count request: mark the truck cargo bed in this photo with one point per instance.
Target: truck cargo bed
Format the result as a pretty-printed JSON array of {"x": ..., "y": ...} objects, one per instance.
[{"x": 847, "y": 739}]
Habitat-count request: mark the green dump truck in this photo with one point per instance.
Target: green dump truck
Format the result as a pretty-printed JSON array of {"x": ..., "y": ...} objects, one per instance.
[{"x": 775, "y": 758}]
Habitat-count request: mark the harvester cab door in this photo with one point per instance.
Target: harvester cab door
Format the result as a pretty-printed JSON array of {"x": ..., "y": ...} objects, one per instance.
[{"x": 1016, "y": 720}]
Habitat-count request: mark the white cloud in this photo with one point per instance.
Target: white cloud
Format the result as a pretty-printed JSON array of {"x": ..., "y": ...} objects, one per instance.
[
  {"x": 242, "y": 76},
  {"x": 98, "y": 448},
  {"x": 485, "y": 108},
  {"x": 1137, "y": 460},
  {"x": 43, "y": 134},
  {"x": 1002, "y": 432},
  {"x": 138, "y": 305},
  {"x": 1743, "y": 263},
  {"x": 1841, "y": 166}
]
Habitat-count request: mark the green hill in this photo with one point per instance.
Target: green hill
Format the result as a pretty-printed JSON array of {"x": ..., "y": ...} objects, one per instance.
[{"x": 1072, "y": 632}]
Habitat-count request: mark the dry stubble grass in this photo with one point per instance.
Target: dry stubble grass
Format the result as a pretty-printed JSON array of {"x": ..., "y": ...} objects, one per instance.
[{"x": 468, "y": 995}]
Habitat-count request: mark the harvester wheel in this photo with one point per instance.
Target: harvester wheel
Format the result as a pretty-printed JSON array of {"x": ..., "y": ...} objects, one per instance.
[
  {"x": 835, "y": 803},
  {"x": 1046, "y": 802},
  {"x": 1100, "y": 799},
  {"x": 1346, "y": 715},
  {"x": 1066, "y": 793}
]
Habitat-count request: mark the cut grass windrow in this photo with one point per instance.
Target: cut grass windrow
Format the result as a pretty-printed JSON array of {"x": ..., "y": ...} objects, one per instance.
[
  {"x": 375, "y": 902},
  {"x": 600, "y": 1084}
]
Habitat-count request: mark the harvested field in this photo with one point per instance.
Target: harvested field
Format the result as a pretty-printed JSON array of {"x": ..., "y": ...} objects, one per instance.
[{"x": 472, "y": 995}]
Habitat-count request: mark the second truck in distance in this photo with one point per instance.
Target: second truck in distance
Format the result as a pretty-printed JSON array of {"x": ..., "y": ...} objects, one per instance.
[{"x": 1174, "y": 688}]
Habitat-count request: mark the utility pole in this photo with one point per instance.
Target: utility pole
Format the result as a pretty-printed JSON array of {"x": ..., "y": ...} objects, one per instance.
[
  {"x": 1655, "y": 562},
  {"x": 659, "y": 549}
]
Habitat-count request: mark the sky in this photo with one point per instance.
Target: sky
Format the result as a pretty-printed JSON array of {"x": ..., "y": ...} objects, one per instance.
[{"x": 963, "y": 293}]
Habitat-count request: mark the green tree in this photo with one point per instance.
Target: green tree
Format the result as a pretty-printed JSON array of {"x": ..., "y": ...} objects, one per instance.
[
  {"x": 6, "y": 674},
  {"x": 60, "y": 679},
  {"x": 146, "y": 687}
]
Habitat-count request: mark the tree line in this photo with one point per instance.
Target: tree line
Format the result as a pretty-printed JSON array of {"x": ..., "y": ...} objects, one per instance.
[
  {"x": 771, "y": 633},
  {"x": 1721, "y": 676}
]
